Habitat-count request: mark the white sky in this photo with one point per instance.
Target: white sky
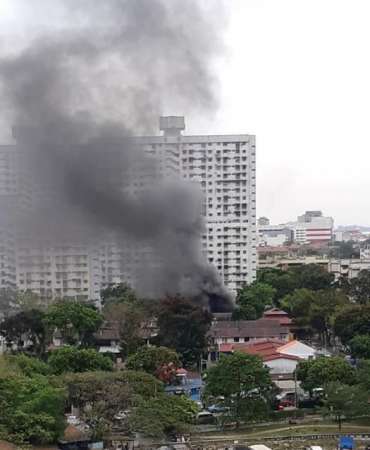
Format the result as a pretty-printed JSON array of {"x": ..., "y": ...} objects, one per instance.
[{"x": 296, "y": 74}]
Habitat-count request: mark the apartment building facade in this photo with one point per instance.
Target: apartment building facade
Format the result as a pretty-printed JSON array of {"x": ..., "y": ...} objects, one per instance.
[{"x": 223, "y": 166}]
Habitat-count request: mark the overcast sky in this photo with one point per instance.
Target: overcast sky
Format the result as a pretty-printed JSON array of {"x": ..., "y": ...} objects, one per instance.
[{"x": 296, "y": 73}]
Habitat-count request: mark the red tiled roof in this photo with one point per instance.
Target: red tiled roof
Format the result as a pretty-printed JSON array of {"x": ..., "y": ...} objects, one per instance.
[
  {"x": 255, "y": 329},
  {"x": 278, "y": 314},
  {"x": 267, "y": 349}
]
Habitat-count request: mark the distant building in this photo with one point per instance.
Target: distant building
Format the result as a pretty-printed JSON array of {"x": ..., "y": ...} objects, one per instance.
[
  {"x": 348, "y": 268},
  {"x": 274, "y": 235},
  {"x": 224, "y": 167},
  {"x": 311, "y": 228}
]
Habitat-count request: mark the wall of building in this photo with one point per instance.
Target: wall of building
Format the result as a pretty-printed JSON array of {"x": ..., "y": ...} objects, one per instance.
[
  {"x": 281, "y": 365},
  {"x": 224, "y": 166}
]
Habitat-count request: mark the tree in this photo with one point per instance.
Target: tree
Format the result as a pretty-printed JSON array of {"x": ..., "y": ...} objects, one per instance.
[
  {"x": 284, "y": 282},
  {"x": 315, "y": 310},
  {"x": 163, "y": 415},
  {"x": 72, "y": 359},
  {"x": 359, "y": 287},
  {"x": 28, "y": 299},
  {"x": 27, "y": 365},
  {"x": 343, "y": 401},
  {"x": 298, "y": 305},
  {"x": 118, "y": 293},
  {"x": 77, "y": 322},
  {"x": 252, "y": 300},
  {"x": 31, "y": 409},
  {"x": 25, "y": 326},
  {"x": 315, "y": 373},
  {"x": 345, "y": 250},
  {"x": 183, "y": 326},
  {"x": 155, "y": 360},
  {"x": 360, "y": 346},
  {"x": 351, "y": 321},
  {"x": 131, "y": 318},
  {"x": 244, "y": 384},
  {"x": 101, "y": 395},
  {"x": 323, "y": 309},
  {"x": 313, "y": 276},
  {"x": 363, "y": 374},
  {"x": 117, "y": 390},
  {"x": 307, "y": 276}
]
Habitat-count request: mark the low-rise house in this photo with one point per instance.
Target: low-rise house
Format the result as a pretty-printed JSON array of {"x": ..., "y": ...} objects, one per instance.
[
  {"x": 279, "y": 356},
  {"x": 280, "y": 315},
  {"x": 243, "y": 331},
  {"x": 107, "y": 339},
  {"x": 229, "y": 332},
  {"x": 297, "y": 348}
]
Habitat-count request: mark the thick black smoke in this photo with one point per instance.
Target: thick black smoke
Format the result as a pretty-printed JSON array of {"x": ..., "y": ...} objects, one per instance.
[{"x": 79, "y": 94}]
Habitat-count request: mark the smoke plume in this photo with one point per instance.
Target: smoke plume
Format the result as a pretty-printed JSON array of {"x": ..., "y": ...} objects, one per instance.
[{"x": 78, "y": 95}]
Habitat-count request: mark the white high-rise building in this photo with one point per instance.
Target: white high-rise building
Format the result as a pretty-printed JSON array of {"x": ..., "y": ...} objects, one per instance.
[{"x": 224, "y": 166}]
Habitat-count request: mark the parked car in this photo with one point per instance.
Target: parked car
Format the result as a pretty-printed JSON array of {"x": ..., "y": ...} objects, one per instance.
[
  {"x": 285, "y": 404},
  {"x": 217, "y": 409},
  {"x": 205, "y": 418}
]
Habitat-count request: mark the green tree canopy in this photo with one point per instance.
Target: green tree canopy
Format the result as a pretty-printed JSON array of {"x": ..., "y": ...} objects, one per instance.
[
  {"x": 76, "y": 321},
  {"x": 27, "y": 365},
  {"x": 298, "y": 305},
  {"x": 183, "y": 326},
  {"x": 244, "y": 384},
  {"x": 154, "y": 360},
  {"x": 101, "y": 395},
  {"x": 72, "y": 359},
  {"x": 252, "y": 300},
  {"x": 363, "y": 374},
  {"x": 315, "y": 373},
  {"x": 359, "y": 287},
  {"x": 131, "y": 318},
  {"x": 118, "y": 293},
  {"x": 313, "y": 276},
  {"x": 25, "y": 325},
  {"x": 31, "y": 409},
  {"x": 360, "y": 346},
  {"x": 163, "y": 415},
  {"x": 315, "y": 310},
  {"x": 94, "y": 387},
  {"x": 351, "y": 321},
  {"x": 307, "y": 276},
  {"x": 284, "y": 282},
  {"x": 343, "y": 401}
]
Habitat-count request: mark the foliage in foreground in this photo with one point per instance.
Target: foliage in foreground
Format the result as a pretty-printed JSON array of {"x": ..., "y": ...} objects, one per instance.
[
  {"x": 31, "y": 409},
  {"x": 243, "y": 386},
  {"x": 163, "y": 415},
  {"x": 343, "y": 401},
  {"x": 72, "y": 359},
  {"x": 161, "y": 362},
  {"x": 316, "y": 373}
]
